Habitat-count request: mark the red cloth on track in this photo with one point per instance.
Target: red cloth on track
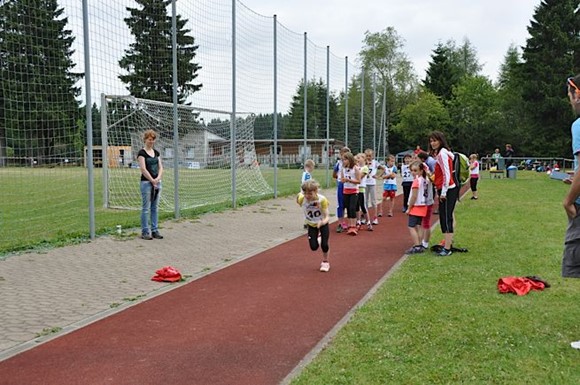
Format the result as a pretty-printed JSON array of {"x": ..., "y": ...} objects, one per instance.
[
  {"x": 519, "y": 285},
  {"x": 167, "y": 274}
]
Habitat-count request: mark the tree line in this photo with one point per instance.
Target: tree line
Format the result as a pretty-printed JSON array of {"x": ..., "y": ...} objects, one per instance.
[{"x": 41, "y": 117}]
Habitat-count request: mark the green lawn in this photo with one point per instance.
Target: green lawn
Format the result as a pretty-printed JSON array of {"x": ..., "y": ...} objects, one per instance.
[
  {"x": 49, "y": 207},
  {"x": 442, "y": 321},
  {"x": 434, "y": 321}
]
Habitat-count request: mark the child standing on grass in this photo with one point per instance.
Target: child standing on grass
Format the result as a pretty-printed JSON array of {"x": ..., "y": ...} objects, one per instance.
[
  {"x": 336, "y": 172},
  {"x": 350, "y": 176},
  {"x": 315, "y": 207},
  {"x": 371, "y": 190},
  {"x": 473, "y": 174},
  {"x": 407, "y": 180},
  {"x": 429, "y": 202},
  {"x": 417, "y": 205},
  {"x": 389, "y": 184}
]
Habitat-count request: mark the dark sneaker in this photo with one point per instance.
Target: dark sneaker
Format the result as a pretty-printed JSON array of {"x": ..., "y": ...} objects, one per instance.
[
  {"x": 444, "y": 253},
  {"x": 415, "y": 250},
  {"x": 147, "y": 237},
  {"x": 156, "y": 235},
  {"x": 339, "y": 229}
]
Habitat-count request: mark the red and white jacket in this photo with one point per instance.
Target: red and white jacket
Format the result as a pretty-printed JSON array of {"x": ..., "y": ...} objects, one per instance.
[{"x": 444, "y": 171}]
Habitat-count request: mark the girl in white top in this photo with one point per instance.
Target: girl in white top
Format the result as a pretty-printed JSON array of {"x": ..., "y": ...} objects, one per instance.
[
  {"x": 474, "y": 175},
  {"x": 371, "y": 190},
  {"x": 350, "y": 176},
  {"x": 406, "y": 179},
  {"x": 419, "y": 199},
  {"x": 361, "y": 207}
]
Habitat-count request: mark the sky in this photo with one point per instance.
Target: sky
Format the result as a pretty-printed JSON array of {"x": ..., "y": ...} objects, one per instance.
[{"x": 491, "y": 25}]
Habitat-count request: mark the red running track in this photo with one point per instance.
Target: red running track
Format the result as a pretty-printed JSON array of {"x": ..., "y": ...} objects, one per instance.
[{"x": 250, "y": 323}]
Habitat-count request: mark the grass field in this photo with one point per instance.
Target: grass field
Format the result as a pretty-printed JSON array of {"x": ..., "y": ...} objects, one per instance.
[
  {"x": 50, "y": 207},
  {"x": 442, "y": 321}
]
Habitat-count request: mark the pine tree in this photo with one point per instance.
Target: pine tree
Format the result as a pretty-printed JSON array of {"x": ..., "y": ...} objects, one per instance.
[
  {"x": 513, "y": 125},
  {"x": 316, "y": 126},
  {"x": 449, "y": 65},
  {"x": 551, "y": 54},
  {"x": 149, "y": 60},
  {"x": 442, "y": 75},
  {"x": 39, "y": 117}
]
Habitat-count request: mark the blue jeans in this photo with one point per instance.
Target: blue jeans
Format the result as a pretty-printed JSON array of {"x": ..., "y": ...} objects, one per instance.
[{"x": 149, "y": 206}]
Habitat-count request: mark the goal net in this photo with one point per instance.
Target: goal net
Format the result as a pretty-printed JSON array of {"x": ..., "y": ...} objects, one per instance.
[{"x": 203, "y": 151}]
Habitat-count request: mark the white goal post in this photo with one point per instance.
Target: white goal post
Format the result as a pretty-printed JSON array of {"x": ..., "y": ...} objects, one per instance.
[{"x": 204, "y": 153}]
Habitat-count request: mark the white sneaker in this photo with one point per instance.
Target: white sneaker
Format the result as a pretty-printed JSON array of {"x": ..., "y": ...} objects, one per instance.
[
  {"x": 375, "y": 221},
  {"x": 324, "y": 267}
]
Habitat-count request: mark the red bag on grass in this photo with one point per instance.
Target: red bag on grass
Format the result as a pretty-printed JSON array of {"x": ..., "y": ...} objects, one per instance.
[
  {"x": 521, "y": 285},
  {"x": 167, "y": 274}
]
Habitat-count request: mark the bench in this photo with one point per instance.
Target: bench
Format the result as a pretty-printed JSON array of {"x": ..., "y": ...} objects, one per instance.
[{"x": 496, "y": 174}]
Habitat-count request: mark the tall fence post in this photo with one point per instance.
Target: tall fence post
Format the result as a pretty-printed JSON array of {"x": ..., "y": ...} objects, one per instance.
[
  {"x": 104, "y": 142},
  {"x": 305, "y": 97},
  {"x": 275, "y": 107},
  {"x": 89, "y": 118},
  {"x": 346, "y": 100},
  {"x": 233, "y": 118},
  {"x": 327, "y": 152},
  {"x": 374, "y": 146},
  {"x": 385, "y": 139},
  {"x": 175, "y": 117},
  {"x": 362, "y": 107}
]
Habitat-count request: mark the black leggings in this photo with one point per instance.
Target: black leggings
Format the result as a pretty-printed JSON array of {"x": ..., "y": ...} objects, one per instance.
[
  {"x": 313, "y": 237},
  {"x": 360, "y": 204},
  {"x": 406, "y": 193},
  {"x": 350, "y": 201},
  {"x": 473, "y": 184},
  {"x": 446, "y": 208}
]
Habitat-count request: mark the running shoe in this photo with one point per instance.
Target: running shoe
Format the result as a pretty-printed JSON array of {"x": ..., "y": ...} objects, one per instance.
[
  {"x": 156, "y": 235},
  {"x": 324, "y": 267},
  {"x": 147, "y": 237},
  {"x": 380, "y": 214},
  {"x": 369, "y": 227},
  {"x": 444, "y": 253},
  {"x": 339, "y": 229},
  {"x": 375, "y": 221},
  {"x": 415, "y": 250}
]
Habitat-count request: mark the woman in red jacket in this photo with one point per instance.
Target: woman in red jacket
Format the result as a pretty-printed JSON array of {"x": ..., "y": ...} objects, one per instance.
[{"x": 444, "y": 182}]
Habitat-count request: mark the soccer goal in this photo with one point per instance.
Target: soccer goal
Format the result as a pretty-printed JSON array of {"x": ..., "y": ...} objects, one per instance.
[{"x": 203, "y": 151}]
